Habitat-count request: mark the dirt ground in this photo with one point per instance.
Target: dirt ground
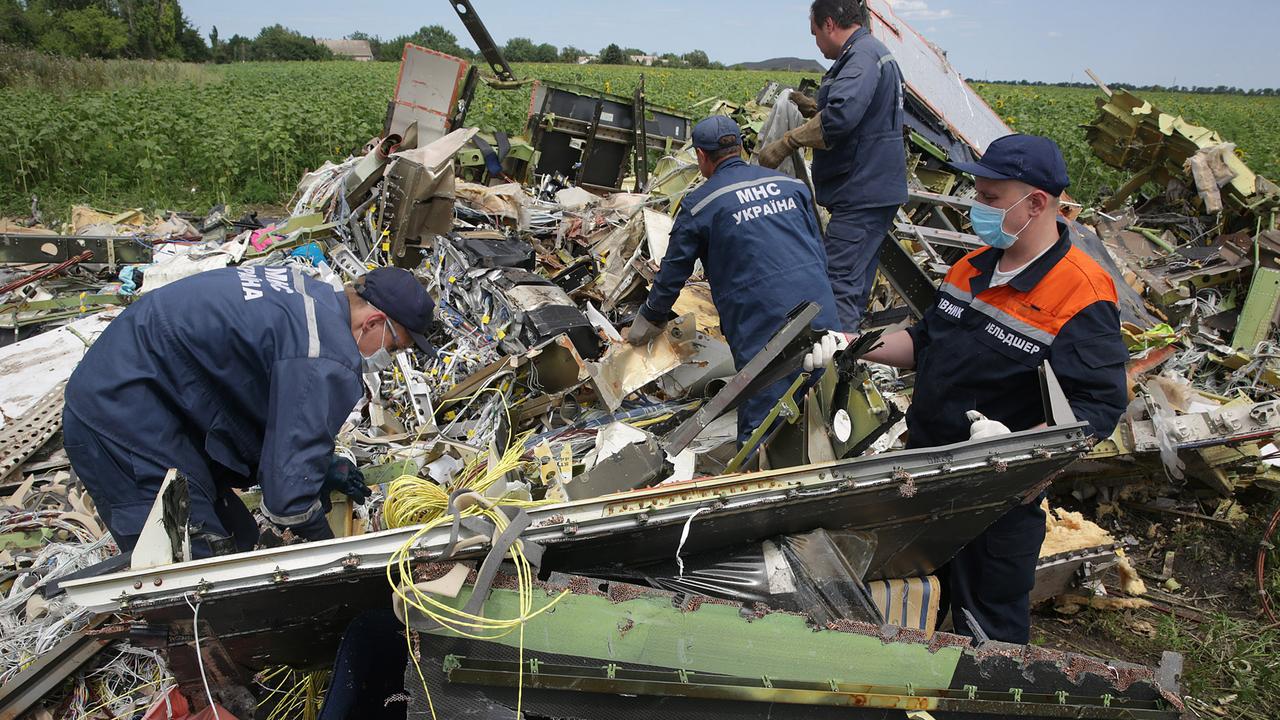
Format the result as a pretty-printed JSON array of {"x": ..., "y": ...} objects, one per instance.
[{"x": 1204, "y": 603}]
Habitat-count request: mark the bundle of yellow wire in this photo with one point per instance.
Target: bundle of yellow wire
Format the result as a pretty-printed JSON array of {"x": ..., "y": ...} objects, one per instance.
[
  {"x": 293, "y": 694},
  {"x": 412, "y": 500}
]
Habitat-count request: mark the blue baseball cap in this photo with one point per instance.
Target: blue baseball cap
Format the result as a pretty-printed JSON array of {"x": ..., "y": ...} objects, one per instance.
[
  {"x": 1031, "y": 159},
  {"x": 398, "y": 293},
  {"x": 707, "y": 133}
]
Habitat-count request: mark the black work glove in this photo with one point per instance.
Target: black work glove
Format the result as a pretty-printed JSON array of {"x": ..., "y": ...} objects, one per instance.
[{"x": 347, "y": 479}]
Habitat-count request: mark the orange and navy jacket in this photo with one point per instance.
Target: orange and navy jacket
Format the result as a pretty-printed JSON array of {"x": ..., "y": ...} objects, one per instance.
[{"x": 979, "y": 347}]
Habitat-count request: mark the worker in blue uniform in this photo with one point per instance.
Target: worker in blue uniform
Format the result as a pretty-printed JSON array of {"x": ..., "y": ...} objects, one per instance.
[
  {"x": 755, "y": 233},
  {"x": 859, "y": 159},
  {"x": 1031, "y": 296},
  {"x": 235, "y": 377}
]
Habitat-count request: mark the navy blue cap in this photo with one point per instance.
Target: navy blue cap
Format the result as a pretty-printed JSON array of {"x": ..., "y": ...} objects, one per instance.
[
  {"x": 707, "y": 133},
  {"x": 398, "y": 293},
  {"x": 1032, "y": 159}
]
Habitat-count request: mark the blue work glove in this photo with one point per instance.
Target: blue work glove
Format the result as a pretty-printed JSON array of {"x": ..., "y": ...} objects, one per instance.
[{"x": 347, "y": 479}]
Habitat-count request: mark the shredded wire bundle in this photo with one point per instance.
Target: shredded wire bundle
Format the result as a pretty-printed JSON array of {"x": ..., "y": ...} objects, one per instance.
[
  {"x": 291, "y": 694},
  {"x": 125, "y": 685},
  {"x": 29, "y": 628}
]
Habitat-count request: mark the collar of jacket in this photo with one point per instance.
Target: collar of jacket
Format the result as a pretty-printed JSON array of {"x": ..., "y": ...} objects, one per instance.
[
  {"x": 986, "y": 261},
  {"x": 731, "y": 162},
  {"x": 844, "y": 51}
]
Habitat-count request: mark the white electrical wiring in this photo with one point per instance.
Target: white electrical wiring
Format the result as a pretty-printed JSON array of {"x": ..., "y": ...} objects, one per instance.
[{"x": 195, "y": 630}]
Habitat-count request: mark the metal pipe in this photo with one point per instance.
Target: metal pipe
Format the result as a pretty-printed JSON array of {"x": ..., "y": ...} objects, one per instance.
[{"x": 82, "y": 257}]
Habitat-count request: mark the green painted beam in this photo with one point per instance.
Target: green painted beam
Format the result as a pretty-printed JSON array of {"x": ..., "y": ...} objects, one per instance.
[
  {"x": 714, "y": 638},
  {"x": 1259, "y": 310},
  {"x": 386, "y": 472}
]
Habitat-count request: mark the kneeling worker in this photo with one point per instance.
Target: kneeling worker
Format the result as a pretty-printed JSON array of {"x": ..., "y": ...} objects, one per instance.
[
  {"x": 236, "y": 377},
  {"x": 1002, "y": 311},
  {"x": 755, "y": 233}
]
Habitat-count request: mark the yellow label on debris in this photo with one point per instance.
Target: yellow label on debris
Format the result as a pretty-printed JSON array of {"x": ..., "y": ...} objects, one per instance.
[{"x": 484, "y": 320}]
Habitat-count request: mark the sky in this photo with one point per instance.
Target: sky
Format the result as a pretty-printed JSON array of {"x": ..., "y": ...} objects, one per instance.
[{"x": 1145, "y": 42}]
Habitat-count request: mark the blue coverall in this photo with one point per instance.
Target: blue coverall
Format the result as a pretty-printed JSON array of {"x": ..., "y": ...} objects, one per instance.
[
  {"x": 754, "y": 231},
  {"x": 980, "y": 348},
  {"x": 235, "y": 377},
  {"x": 862, "y": 178}
]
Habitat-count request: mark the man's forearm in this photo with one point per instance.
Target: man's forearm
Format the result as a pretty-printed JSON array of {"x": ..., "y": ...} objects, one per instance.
[{"x": 897, "y": 350}]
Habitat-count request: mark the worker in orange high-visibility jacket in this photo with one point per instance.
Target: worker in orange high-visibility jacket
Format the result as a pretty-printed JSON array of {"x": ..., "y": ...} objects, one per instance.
[{"x": 1002, "y": 311}]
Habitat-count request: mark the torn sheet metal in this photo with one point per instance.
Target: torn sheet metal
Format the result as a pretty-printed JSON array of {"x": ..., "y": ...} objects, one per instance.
[
  {"x": 933, "y": 82},
  {"x": 427, "y": 90},
  {"x": 419, "y": 196},
  {"x": 32, "y": 368},
  {"x": 891, "y": 495},
  {"x": 626, "y": 368},
  {"x": 678, "y": 655}
]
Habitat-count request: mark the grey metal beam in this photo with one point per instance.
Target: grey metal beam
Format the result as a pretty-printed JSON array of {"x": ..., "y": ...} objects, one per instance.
[
  {"x": 30, "y": 248},
  {"x": 48, "y": 672},
  {"x": 911, "y": 496}
]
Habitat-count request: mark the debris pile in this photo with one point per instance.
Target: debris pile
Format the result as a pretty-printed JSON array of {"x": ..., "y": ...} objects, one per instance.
[{"x": 515, "y": 439}]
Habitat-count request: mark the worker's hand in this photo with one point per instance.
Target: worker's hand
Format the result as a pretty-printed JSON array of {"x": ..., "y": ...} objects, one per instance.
[
  {"x": 981, "y": 427},
  {"x": 642, "y": 331},
  {"x": 807, "y": 106},
  {"x": 346, "y": 478},
  {"x": 772, "y": 155},
  {"x": 824, "y": 351}
]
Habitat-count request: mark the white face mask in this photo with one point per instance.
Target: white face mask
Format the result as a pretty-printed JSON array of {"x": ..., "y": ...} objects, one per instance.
[{"x": 380, "y": 359}]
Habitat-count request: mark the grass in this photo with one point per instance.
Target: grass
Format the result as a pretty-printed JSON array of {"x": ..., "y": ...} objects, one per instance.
[
  {"x": 1232, "y": 665},
  {"x": 31, "y": 70}
]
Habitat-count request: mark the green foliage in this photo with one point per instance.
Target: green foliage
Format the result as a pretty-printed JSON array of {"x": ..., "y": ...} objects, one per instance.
[
  {"x": 150, "y": 29},
  {"x": 89, "y": 31},
  {"x": 432, "y": 37},
  {"x": 545, "y": 53},
  {"x": 696, "y": 58},
  {"x": 518, "y": 49},
  {"x": 612, "y": 55},
  {"x": 1227, "y": 659},
  {"x": 15, "y": 27},
  {"x": 186, "y": 136},
  {"x": 570, "y": 54},
  {"x": 277, "y": 42},
  {"x": 65, "y": 76}
]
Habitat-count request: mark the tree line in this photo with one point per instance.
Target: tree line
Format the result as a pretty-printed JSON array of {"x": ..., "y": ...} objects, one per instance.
[
  {"x": 1197, "y": 89},
  {"x": 158, "y": 30},
  {"x": 522, "y": 49}
]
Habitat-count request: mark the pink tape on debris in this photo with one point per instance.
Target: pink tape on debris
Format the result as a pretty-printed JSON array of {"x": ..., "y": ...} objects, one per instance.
[{"x": 263, "y": 239}]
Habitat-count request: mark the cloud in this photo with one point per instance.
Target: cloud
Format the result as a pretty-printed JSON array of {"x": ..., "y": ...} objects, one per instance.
[
  {"x": 918, "y": 10},
  {"x": 1055, "y": 34}
]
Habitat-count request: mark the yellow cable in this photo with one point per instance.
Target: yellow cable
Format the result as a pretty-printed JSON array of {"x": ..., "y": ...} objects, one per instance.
[{"x": 412, "y": 500}]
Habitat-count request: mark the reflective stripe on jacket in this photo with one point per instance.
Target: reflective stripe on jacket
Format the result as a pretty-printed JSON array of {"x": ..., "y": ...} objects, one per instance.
[{"x": 979, "y": 348}]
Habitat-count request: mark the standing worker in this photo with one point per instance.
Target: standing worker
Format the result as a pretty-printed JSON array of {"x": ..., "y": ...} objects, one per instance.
[
  {"x": 1030, "y": 297},
  {"x": 235, "y": 377},
  {"x": 755, "y": 233},
  {"x": 859, "y": 160}
]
